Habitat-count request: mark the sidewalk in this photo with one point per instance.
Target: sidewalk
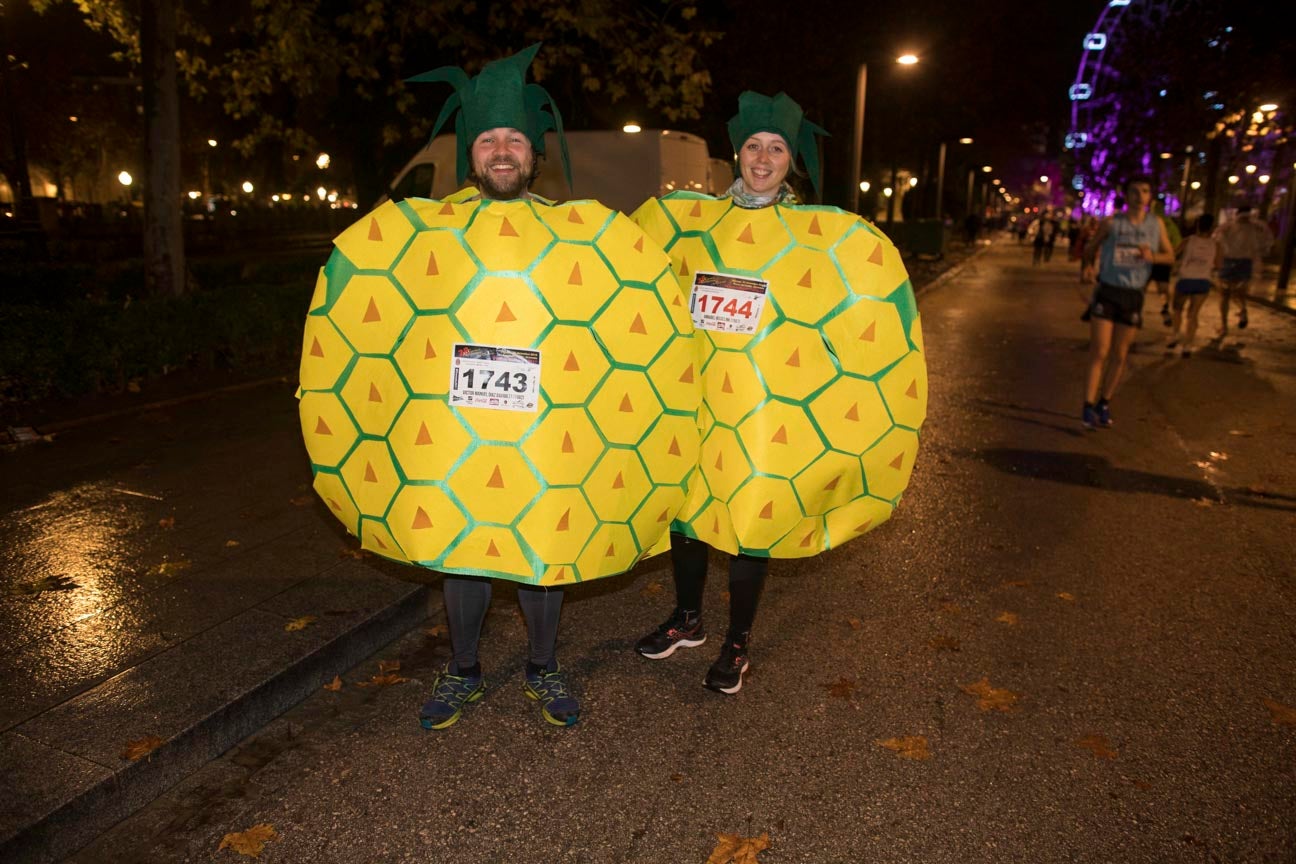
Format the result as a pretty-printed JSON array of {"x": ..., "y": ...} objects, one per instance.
[{"x": 1264, "y": 290}]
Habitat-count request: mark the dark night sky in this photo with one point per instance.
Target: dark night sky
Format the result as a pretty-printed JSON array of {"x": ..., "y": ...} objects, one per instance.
[{"x": 988, "y": 69}]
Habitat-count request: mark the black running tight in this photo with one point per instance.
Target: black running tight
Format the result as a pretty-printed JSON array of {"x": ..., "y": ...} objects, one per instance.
[
  {"x": 746, "y": 578},
  {"x": 466, "y": 602}
]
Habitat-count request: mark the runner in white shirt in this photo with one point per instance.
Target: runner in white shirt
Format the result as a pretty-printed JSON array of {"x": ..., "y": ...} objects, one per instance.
[
  {"x": 1243, "y": 243},
  {"x": 1199, "y": 256}
]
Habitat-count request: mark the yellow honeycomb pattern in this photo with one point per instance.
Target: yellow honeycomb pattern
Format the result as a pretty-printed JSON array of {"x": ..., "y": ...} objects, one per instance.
[
  {"x": 810, "y": 424},
  {"x": 583, "y": 486}
]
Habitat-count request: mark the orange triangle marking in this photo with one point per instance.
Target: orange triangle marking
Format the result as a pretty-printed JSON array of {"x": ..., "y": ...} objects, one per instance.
[
  {"x": 496, "y": 480},
  {"x": 806, "y": 281},
  {"x": 795, "y": 359},
  {"x": 684, "y": 271},
  {"x": 853, "y": 413},
  {"x": 780, "y": 437},
  {"x": 746, "y": 235},
  {"x": 912, "y": 392},
  {"x": 611, "y": 553},
  {"x": 876, "y": 257},
  {"x": 665, "y": 514},
  {"x": 715, "y": 526},
  {"x": 619, "y": 482},
  {"x": 429, "y": 353},
  {"x": 571, "y": 365},
  {"x": 561, "y": 574},
  {"x": 674, "y": 449},
  {"x": 370, "y": 476},
  {"x": 492, "y": 550},
  {"x": 719, "y": 462},
  {"x": 697, "y": 209},
  {"x": 805, "y": 541},
  {"x": 898, "y": 461},
  {"x": 814, "y": 226},
  {"x": 371, "y": 313},
  {"x": 505, "y": 314},
  {"x": 567, "y": 445},
  {"x": 432, "y": 269},
  {"x": 575, "y": 277},
  {"x": 864, "y": 526},
  {"x": 336, "y": 506},
  {"x": 564, "y": 522},
  {"x": 507, "y": 229},
  {"x": 767, "y": 512},
  {"x": 639, "y": 245},
  {"x": 870, "y": 333},
  {"x": 832, "y": 484},
  {"x": 321, "y": 428},
  {"x": 375, "y": 233},
  {"x": 626, "y": 407},
  {"x": 637, "y": 325},
  {"x": 374, "y": 395},
  {"x": 687, "y": 377},
  {"x": 424, "y": 436},
  {"x": 421, "y": 519},
  {"x": 447, "y": 209},
  {"x": 675, "y": 301},
  {"x": 378, "y": 540},
  {"x": 316, "y": 349},
  {"x": 573, "y": 215},
  {"x": 726, "y": 386}
]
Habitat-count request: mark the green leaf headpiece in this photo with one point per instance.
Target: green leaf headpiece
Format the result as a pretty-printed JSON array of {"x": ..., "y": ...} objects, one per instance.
[
  {"x": 498, "y": 97},
  {"x": 782, "y": 116}
]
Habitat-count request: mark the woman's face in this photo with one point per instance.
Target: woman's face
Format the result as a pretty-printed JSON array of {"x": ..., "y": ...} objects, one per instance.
[{"x": 763, "y": 162}]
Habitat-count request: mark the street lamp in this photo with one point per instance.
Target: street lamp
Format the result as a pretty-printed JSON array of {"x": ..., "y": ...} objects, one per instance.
[{"x": 857, "y": 149}]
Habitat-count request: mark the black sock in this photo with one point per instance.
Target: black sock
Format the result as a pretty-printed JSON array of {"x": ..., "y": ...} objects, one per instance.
[
  {"x": 1102, "y": 403},
  {"x": 473, "y": 671},
  {"x": 1089, "y": 405},
  {"x": 536, "y": 669}
]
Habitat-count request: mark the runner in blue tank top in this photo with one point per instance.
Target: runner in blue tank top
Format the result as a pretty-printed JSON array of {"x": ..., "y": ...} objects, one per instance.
[{"x": 1121, "y": 254}]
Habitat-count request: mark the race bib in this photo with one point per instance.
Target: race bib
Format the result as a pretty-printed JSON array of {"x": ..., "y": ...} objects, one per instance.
[
  {"x": 727, "y": 304},
  {"x": 1127, "y": 256},
  {"x": 492, "y": 376}
]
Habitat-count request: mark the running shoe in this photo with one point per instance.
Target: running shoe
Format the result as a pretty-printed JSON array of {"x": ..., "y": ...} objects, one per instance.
[
  {"x": 1171, "y": 345},
  {"x": 549, "y": 688},
  {"x": 677, "y": 631},
  {"x": 726, "y": 673},
  {"x": 450, "y": 693},
  {"x": 1089, "y": 417},
  {"x": 1187, "y": 352},
  {"x": 1104, "y": 415}
]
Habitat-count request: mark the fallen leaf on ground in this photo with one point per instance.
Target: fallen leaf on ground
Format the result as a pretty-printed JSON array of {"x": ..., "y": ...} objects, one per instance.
[
  {"x": 167, "y": 522},
  {"x": 385, "y": 666},
  {"x": 855, "y": 623},
  {"x": 1239, "y": 433},
  {"x": 58, "y": 582},
  {"x": 842, "y": 688},
  {"x": 249, "y": 842},
  {"x": 230, "y": 544},
  {"x": 301, "y": 500},
  {"x": 732, "y": 849},
  {"x": 352, "y": 552},
  {"x": 944, "y": 643},
  {"x": 335, "y": 685},
  {"x": 1097, "y": 745},
  {"x": 1280, "y": 713},
  {"x": 1007, "y": 618},
  {"x": 1204, "y": 502},
  {"x": 136, "y": 750},
  {"x": 908, "y": 747},
  {"x": 990, "y": 698},
  {"x": 951, "y": 608},
  {"x": 1017, "y": 583},
  {"x": 382, "y": 681},
  {"x": 1218, "y": 456},
  {"x": 300, "y": 623},
  {"x": 724, "y": 596},
  {"x": 436, "y": 630},
  {"x": 170, "y": 568},
  {"x": 1067, "y": 596},
  {"x": 652, "y": 589}
]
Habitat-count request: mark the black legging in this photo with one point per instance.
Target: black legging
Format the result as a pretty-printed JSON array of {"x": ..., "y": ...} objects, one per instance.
[
  {"x": 746, "y": 578},
  {"x": 466, "y": 602}
]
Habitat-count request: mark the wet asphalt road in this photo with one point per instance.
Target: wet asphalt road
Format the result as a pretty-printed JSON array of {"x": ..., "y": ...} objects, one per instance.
[{"x": 1132, "y": 587}]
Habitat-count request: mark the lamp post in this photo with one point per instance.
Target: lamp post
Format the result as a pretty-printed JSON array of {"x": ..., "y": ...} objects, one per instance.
[
  {"x": 940, "y": 178},
  {"x": 857, "y": 146}
]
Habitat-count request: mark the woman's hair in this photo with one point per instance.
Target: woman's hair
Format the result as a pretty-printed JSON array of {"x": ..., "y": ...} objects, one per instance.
[{"x": 1205, "y": 222}]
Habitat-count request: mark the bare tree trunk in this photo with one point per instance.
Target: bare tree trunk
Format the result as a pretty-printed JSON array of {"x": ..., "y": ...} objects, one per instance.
[
  {"x": 164, "y": 262},
  {"x": 16, "y": 168}
]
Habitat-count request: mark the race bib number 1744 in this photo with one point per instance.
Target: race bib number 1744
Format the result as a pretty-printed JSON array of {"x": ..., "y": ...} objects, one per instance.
[
  {"x": 727, "y": 304},
  {"x": 491, "y": 376}
]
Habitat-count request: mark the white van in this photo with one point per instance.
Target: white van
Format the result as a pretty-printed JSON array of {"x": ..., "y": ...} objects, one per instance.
[{"x": 619, "y": 169}]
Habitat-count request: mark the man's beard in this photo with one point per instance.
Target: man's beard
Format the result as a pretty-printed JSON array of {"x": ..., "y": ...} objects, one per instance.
[{"x": 514, "y": 188}]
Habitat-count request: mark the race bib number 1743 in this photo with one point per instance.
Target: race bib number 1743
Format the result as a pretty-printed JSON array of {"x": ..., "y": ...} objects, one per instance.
[
  {"x": 727, "y": 304},
  {"x": 491, "y": 376}
]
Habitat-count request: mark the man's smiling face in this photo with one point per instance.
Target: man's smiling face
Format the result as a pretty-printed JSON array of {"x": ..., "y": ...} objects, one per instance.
[{"x": 503, "y": 163}]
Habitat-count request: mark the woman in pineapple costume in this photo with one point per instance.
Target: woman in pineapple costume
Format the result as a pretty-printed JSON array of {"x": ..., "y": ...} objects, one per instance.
[{"x": 814, "y": 384}]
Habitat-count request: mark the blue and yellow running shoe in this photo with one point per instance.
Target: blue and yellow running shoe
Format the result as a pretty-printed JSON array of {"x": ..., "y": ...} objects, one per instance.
[
  {"x": 449, "y": 695},
  {"x": 549, "y": 688}
]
